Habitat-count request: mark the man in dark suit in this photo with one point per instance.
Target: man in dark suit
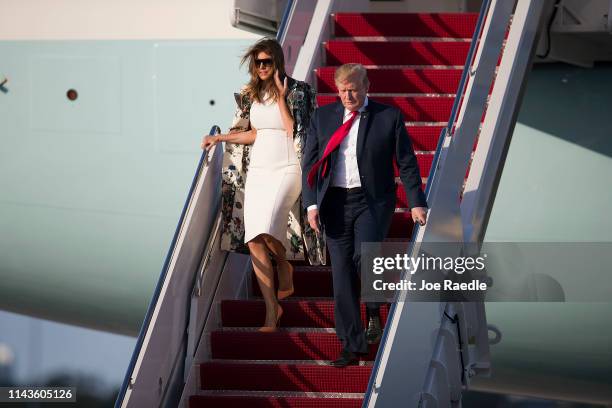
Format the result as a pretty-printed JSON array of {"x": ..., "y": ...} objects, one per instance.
[{"x": 348, "y": 181}]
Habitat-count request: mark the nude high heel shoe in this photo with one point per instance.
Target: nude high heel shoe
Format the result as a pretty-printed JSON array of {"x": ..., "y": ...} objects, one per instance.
[{"x": 271, "y": 329}]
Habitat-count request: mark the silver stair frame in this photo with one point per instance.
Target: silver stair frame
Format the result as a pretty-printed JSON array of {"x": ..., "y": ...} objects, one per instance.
[
  {"x": 432, "y": 349},
  {"x": 155, "y": 374},
  {"x": 498, "y": 126},
  {"x": 222, "y": 276}
]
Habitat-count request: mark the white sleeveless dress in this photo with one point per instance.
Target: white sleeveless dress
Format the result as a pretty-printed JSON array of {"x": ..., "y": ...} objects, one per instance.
[{"x": 274, "y": 176}]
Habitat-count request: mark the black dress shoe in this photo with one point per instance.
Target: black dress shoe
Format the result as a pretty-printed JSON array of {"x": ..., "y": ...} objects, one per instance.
[
  {"x": 346, "y": 358},
  {"x": 373, "y": 332}
]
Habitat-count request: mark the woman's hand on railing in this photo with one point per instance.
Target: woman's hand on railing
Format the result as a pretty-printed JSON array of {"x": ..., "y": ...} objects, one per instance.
[
  {"x": 209, "y": 141},
  {"x": 245, "y": 138}
]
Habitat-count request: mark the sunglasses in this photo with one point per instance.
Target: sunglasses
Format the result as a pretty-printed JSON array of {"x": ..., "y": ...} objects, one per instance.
[{"x": 263, "y": 63}]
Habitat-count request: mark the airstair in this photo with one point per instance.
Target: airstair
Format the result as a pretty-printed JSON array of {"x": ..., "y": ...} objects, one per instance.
[{"x": 458, "y": 80}]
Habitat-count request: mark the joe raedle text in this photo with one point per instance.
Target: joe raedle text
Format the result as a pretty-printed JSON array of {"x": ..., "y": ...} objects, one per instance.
[
  {"x": 446, "y": 285},
  {"x": 447, "y": 274}
]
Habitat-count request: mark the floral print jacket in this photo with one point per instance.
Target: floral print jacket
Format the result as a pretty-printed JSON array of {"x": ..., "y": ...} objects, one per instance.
[{"x": 301, "y": 102}]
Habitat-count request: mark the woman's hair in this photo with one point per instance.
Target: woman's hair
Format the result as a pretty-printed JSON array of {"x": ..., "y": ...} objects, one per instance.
[
  {"x": 256, "y": 88},
  {"x": 352, "y": 71}
]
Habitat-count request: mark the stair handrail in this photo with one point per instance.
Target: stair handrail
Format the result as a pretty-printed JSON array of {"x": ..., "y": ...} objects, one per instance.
[
  {"x": 194, "y": 329},
  {"x": 430, "y": 179},
  {"x": 284, "y": 23},
  {"x": 127, "y": 381},
  {"x": 467, "y": 71},
  {"x": 210, "y": 246},
  {"x": 447, "y": 222}
]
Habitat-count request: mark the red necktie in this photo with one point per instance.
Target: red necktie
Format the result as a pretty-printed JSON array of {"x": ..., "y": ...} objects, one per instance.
[{"x": 334, "y": 142}]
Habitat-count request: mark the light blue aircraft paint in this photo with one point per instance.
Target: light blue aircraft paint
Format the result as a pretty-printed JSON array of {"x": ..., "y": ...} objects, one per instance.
[{"x": 92, "y": 189}]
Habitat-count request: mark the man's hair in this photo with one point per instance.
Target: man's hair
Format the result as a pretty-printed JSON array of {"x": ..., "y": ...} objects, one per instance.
[{"x": 350, "y": 71}]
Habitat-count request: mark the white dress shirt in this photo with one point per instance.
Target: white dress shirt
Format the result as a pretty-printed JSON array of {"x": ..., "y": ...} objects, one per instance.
[{"x": 346, "y": 171}]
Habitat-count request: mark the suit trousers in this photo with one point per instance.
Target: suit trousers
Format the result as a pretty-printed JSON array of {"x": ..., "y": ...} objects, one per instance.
[{"x": 348, "y": 222}]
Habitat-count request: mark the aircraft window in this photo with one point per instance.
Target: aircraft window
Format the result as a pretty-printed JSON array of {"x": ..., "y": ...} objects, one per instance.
[{"x": 72, "y": 94}]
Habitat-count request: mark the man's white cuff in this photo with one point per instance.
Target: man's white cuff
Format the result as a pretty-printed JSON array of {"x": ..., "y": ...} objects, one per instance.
[{"x": 312, "y": 207}]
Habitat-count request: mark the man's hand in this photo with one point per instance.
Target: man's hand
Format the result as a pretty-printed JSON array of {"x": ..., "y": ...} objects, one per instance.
[
  {"x": 419, "y": 215},
  {"x": 313, "y": 219}
]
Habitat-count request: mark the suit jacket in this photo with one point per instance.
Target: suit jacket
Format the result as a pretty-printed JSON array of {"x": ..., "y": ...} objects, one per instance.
[{"x": 381, "y": 138}]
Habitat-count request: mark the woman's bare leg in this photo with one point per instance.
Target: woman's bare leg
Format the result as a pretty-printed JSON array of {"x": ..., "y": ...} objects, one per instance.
[
  {"x": 285, "y": 269},
  {"x": 262, "y": 266}
]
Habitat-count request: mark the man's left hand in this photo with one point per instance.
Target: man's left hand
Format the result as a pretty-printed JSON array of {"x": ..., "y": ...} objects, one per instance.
[{"x": 419, "y": 215}]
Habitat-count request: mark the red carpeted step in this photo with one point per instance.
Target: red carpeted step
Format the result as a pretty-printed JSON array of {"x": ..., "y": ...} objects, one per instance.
[
  {"x": 283, "y": 377},
  {"x": 424, "y": 138},
  {"x": 308, "y": 281},
  {"x": 392, "y": 80},
  {"x": 396, "y": 52},
  {"x": 401, "y": 226},
  {"x": 450, "y": 25},
  {"x": 296, "y": 313},
  {"x": 280, "y": 345},
  {"x": 414, "y": 109},
  {"x": 221, "y": 401}
]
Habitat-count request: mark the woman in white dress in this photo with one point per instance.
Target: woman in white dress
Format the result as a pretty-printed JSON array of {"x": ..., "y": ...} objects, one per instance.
[{"x": 273, "y": 183}]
